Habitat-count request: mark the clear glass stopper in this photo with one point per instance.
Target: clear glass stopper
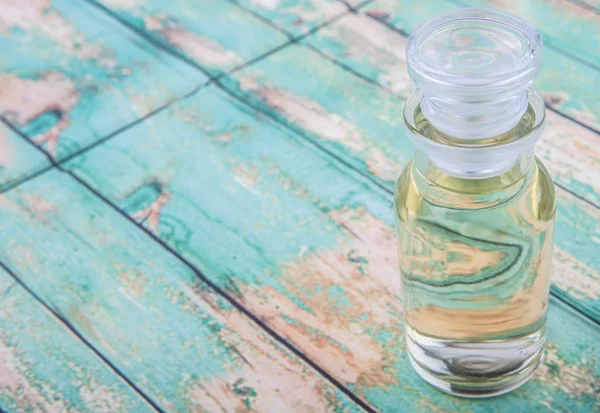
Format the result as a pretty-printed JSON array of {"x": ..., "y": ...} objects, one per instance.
[{"x": 473, "y": 68}]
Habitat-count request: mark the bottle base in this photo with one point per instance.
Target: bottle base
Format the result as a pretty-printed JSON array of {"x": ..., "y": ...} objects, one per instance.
[{"x": 476, "y": 370}]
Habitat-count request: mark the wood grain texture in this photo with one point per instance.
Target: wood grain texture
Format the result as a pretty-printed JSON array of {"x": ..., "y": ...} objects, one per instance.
[
  {"x": 566, "y": 84},
  {"x": 298, "y": 17},
  {"x": 304, "y": 243},
  {"x": 69, "y": 75},
  {"x": 592, "y": 4},
  {"x": 372, "y": 50},
  {"x": 45, "y": 368},
  {"x": 18, "y": 159},
  {"x": 186, "y": 348},
  {"x": 215, "y": 34},
  {"x": 362, "y": 125}
]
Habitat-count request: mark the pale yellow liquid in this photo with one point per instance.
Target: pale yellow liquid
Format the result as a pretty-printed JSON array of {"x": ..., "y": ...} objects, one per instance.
[{"x": 475, "y": 259}]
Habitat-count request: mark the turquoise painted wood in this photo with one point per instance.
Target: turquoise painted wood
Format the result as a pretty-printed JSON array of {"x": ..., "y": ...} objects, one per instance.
[
  {"x": 45, "y": 368},
  {"x": 18, "y": 159},
  {"x": 566, "y": 84},
  {"x": 306, "y": 244},
  {"x": 593, "y": 4},
  {"x": 70, "y": 75},
  {"x": 299, "y": 17},
  {"x": 282, "y": 201},
  {"x": 215, "y": 34},
  {"x": 183, "y": 345},
  {"x": 351, "y": 117},
  {"x": 362, "y": 124},
  {"x": 370, "y": 49}
]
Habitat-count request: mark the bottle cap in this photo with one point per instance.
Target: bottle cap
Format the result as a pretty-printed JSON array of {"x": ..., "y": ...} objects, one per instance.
[{"x": 474, "y": 68}]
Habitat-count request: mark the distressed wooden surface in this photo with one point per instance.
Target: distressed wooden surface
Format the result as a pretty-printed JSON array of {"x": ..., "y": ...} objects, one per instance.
[
  {"x": 277, "y": 191},
  {"x": 45, "y": 368},
  {"x": 303, "y": 242},
  {"x": 18, "y": 159},
  {"x": 183, "y": 345},
  {"x": 299, "y": 17},
  {"x": 362, "y": 124},
  {"x": 70, "y": 75},
  {"x": 593, "y": 4},
  {"x": 215, "y": 34}
]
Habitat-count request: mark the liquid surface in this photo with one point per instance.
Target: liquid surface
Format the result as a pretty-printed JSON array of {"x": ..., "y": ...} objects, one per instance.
[{"x": 475, "y": 262}]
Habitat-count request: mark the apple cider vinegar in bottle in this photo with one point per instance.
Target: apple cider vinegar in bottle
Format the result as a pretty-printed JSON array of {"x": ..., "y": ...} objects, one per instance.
[{"x": 475, "y": 208}]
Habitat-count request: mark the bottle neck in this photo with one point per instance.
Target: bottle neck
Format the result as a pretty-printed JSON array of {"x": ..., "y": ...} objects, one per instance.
[
  {"x": 469, "y": 185},
  {"x": 474, "y": 116},
  {"x": 474, "y": 158},
  {"x": 441, "y": 188}
]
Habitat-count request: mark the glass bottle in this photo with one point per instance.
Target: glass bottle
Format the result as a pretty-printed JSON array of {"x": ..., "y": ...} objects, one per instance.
[{"x": 475, "y": 209}]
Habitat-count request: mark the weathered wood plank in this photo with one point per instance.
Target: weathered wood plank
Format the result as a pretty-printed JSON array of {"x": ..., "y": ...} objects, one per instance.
[
  {"x": 567, "y": 85},
  {"x": 70, "y": 75},
  {"x": 46, "y": 368},
  {"x": 298, "y": 17},
  {"x": 363, "y": 125},
  {"x": 184, "y": 346},
  {"x": 594, "y": 4},
  {"x": 18, "y": 159},
  {"x": 215, "y": 34},
  {"x": 304, "y": 242},
  {"x": 374, "y": 51}
]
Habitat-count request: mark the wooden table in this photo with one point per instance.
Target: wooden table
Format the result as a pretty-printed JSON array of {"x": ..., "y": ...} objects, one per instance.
[{"x": 196, "y": 206}]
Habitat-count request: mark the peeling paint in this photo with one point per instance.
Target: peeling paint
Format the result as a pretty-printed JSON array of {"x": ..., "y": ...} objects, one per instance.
[
  {"x": 267, "y": 4},
  {"x": 299, "y": 16},
  {"x": 14, "y": 380},
  {"x": 258, "y": 380},
  {"x": 575, "y": 379},
  {"x": 332, "y": 333},
  {"x": 33, "y": 15},
  {"x": 368, "y": 41},
  {"x": 6, "y": 150},
  {"x": 151, "y": 215},
  {"x": 23, "y": 100},
  {"x": 206, "y": 51},
  {"x": 574, "y": 277},
  {"x": 247, "y": 175},
  {"x": 44, "y": 368},
  {"x": 315, "y": 119},
  {"x": 40, "y": 208}
]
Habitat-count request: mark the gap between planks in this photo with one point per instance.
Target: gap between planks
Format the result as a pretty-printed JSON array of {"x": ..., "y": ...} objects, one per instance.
[
  {"x": 215, "y": 79},
  {"x": 211, "y": 80},
  {"x": 70, "y": 327},
  {"x": 173, "y": 52},
  {"x": 57, "y": 165}
]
